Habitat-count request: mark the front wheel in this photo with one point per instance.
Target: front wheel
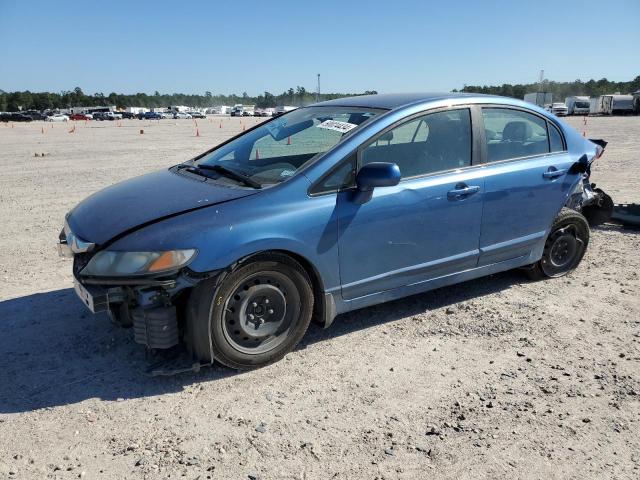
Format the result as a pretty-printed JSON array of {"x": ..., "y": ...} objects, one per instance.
[
  {"x": 564, "y": 248},
  {"x": 258, "y": 313}
]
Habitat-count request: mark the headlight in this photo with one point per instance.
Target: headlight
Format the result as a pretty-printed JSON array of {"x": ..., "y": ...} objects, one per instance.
[{"x": 118, "y": 264}]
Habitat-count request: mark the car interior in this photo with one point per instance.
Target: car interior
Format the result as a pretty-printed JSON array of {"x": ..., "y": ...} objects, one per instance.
[
  {"x": 438, "y": 143},
  {"x": 516, "y": 140}
]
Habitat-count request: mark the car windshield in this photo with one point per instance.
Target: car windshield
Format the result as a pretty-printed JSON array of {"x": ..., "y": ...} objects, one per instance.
[{"x": 274, "y": 151}]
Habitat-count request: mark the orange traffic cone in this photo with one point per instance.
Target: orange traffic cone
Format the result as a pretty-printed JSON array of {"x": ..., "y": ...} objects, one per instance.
[{"x": 141, "y": 132}]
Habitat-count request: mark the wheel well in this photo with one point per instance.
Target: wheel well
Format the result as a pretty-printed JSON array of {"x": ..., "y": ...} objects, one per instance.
[{"x": 314, "y": 276}]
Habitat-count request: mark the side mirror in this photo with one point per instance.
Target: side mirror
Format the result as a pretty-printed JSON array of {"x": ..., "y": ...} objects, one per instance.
[{"x": 372, "y": 175}]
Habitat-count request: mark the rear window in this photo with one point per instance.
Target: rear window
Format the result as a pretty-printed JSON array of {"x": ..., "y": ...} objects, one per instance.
[{"x": 514, "y": 134}]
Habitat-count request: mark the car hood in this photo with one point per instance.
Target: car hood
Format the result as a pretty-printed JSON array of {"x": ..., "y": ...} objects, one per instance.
[{"x": 125, "y": 206}]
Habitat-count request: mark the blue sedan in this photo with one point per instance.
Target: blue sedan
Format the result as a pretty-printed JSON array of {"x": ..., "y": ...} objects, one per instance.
[{"x": 330, "y": 208}]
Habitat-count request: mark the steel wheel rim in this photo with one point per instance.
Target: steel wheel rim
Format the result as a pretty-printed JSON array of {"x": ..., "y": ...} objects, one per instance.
[
  {"x": 563, "y": 249},
  {"x": 260, "y": 312}
]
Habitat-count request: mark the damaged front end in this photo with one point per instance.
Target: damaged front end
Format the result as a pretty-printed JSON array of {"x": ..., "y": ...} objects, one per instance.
[
  {"x": 143, "y": 290},
  {"x": 592, "y": 202}
]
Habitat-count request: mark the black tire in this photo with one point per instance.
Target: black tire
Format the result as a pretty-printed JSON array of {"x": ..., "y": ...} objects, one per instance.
[
  {"x": 564, "y": 248},
  {"x": 257, "y": 314}
]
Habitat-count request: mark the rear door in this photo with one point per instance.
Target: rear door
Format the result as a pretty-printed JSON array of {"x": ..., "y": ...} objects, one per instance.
[{"x": 527, "y": 181}]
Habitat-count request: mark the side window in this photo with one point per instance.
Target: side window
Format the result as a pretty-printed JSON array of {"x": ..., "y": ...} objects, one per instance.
[
  {"x": 555, "y": 139},
  {"x": 431, "y": 143},
  {"x": 343, "y": 176},
  {"x": 513, "y": 134}
]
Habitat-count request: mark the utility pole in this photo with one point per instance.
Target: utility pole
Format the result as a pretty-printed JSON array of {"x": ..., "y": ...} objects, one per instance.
[
  {"x": 318, "y": 90},
  {"x": 541, "y": 81}
]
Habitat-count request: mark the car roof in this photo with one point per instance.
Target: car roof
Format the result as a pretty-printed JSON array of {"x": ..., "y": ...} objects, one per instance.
[{"x": 392, "y": 101}]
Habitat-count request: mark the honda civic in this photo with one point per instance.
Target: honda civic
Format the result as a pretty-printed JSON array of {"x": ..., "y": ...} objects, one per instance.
[{"x": 329, "y": 208}]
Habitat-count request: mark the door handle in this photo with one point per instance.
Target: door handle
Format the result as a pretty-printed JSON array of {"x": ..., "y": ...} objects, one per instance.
[
  {"x": 462, "y": 191},
  {"x": 554, "y": 173}
]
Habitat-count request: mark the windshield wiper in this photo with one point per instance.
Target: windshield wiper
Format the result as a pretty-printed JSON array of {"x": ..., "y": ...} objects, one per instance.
[{"x": 222, "y": 170}]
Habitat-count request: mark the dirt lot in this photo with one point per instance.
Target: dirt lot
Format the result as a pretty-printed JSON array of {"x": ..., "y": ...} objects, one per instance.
[{"x": 498, "y": 378}]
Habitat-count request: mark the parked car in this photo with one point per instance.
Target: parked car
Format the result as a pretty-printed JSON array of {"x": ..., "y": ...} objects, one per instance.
[
  {"x": 128, "y": 115},
  {"x": 263, "y": 112},
  {"x": 35, "y": 115},
  {"x": 281, "y": 110},
  {"x": 354, "y": 202},
  {"x": 154, "y": 115},
  {"x": 104, "y": 116},
  {"x": 557, "y": 108},
  {"x": 15, "y": 117},
  {"x": 81, "y": 116},
  {"x": 197, "y": 115},
  {"x": 181, "y": 115},
  {"x": 57, "y": 117}
]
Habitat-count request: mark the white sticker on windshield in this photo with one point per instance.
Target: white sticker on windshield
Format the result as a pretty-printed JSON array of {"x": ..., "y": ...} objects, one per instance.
[
  {"x": 287, "y": 173},
  {"x": 342, "y": 127}
]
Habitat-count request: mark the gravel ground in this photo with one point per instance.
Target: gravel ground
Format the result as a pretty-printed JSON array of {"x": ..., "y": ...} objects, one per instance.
[{"x": 498, "y": 378}]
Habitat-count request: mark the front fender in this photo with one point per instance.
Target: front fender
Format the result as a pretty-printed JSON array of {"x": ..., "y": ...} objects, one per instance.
[{"x": 225, "y": 233}]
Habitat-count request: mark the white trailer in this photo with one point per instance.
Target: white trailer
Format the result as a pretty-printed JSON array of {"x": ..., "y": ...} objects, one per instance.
[
  {"x": 618, "y": 104},
  {"x": 595, "y": 106},
  {"x": 577, "y": 105},
  {"x": 611, "y": 105}
]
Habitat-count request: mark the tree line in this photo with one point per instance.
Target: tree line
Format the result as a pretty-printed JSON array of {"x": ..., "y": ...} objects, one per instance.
[
  {"x": 560, "y": 90},
  {"x": 26, "y": 100}
]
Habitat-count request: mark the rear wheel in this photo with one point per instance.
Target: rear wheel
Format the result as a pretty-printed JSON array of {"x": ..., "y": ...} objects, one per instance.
[
  {"x": 564, "y": 248},
  {"x": 254, "y": 317}
]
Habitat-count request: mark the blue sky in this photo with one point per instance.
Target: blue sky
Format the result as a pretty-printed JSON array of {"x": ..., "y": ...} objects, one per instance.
[{"x": 246, "y": 45}]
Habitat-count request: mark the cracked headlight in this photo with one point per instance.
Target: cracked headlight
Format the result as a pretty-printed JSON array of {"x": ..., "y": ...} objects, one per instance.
[{"x": 119, "y": 264}]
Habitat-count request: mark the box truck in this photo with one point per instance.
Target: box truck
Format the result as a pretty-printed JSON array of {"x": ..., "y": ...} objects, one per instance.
[{"x": 577, "y": 105}]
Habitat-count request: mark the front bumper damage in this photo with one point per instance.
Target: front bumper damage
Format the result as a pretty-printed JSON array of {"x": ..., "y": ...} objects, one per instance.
[{"x": 148, "y": 304}]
